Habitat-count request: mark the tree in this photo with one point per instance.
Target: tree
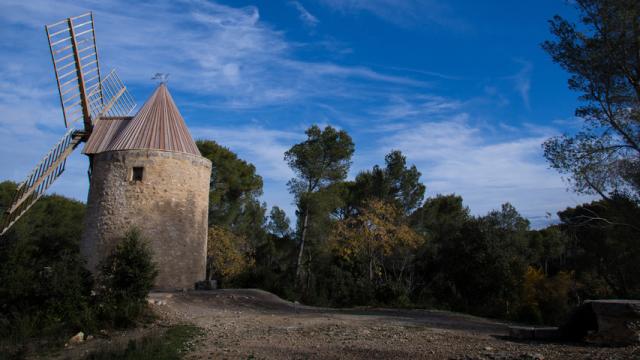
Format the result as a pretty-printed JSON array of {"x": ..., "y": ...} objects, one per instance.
[
  {"x": 602, "y": 56},
  {"x": 481, "y": 268},
  {"x": 376, "y": 233},
  {"x": 440, "y": 220},
  {"x": 228, "y": 254},
  {"x": 321, "y": 160},
  {"x": 278, "y": 222},
  {"x": 604, "y": 249},
  {"x": 395, "y": 183},
  {"x": 235, "y": 188}
]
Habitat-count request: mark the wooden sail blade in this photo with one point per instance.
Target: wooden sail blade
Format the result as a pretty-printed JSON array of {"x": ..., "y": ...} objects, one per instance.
[
  {"x": 111, "y": 98},
  {"x": 42, "y": 176},
  {"x": 72, "y": 43}
]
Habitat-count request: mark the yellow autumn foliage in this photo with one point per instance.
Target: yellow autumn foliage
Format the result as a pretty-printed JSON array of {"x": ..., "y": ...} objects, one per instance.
[
  {"x": 228, "y": 254},
  {"x": 374, "y": 234}
]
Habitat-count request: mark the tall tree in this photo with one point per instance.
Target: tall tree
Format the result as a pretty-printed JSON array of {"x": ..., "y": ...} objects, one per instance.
[
  {"x": 602, "y": 54},
  {"x": 395, "y": 183},
  {"x": 278, "y": 222},
  {"x": 234, "y": 191},
  {"x": 321, "y": 160}
]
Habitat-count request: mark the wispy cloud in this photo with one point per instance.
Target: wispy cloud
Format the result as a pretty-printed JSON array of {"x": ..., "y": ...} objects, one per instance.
[
  {"x": 305, "y": 16},
  {"x": 228, "y": 65},
  {"x": 265, "y": 147},
  {"x": 522, "y": 81},
  {"x": 223, "y": 52},
  {"x": 456, "y": 156},
  {"x": 403, "y": 13}
]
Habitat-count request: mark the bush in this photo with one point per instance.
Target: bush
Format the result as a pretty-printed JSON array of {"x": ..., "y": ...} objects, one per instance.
[
  {"x": 173, "y": 344},
  {"x": 125, "y": 279},
  {"x": 44, "y": 288}
]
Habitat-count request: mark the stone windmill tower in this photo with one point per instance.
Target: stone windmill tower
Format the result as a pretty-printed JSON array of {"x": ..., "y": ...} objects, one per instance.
[{"x": 145, "y": 170}]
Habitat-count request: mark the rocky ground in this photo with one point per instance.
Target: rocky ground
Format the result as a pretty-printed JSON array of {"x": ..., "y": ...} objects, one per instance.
[{"x": 253, "y": 324}]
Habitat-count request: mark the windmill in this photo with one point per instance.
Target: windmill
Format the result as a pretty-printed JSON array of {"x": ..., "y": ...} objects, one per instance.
[{"x": 85, "y": 95}]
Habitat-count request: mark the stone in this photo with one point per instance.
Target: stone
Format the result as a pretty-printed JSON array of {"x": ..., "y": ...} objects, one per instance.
[
  {"x": 521, "y": 332},
  {"x": 531, "y": 356},
  {"x": 618, "y": 322},
  {"x": 77, "y": 338},
  {"x": 169, "y": 207},
  {"x": 546, "y": 333},
  {"x": 207, "y": 285}
]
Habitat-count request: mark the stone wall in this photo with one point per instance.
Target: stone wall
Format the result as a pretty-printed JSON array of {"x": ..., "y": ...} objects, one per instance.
[{"x": 169, "y": 206}]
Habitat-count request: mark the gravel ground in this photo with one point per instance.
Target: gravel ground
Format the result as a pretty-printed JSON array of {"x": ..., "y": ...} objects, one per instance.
[{"x": 253, "y": 324}]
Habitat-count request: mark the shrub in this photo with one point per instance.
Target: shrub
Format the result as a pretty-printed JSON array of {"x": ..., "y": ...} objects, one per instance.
[
  {"x": 125, "y": 279},
  {"x": 172, "y": 345},
  {"x": 228, "y": 255},
  {"x": 44, "y": 288}
]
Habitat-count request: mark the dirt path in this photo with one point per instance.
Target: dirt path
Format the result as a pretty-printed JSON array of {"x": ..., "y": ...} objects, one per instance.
[{"x": 247, "y": 324}]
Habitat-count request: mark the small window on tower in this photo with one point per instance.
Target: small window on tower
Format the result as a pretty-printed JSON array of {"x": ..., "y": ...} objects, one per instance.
[{"x": 136, "y": 174}]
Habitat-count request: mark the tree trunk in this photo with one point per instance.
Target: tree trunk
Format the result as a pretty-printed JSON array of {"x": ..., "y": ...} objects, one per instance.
[{"x": 302, "y": 239}]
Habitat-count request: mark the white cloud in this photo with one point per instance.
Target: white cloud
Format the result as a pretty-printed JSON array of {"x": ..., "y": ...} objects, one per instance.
[
  {"x": 455, "y": 156},
  {"x": 224, "y": 58},
  {"x": 264, "y": 148},
  {"x": 306, "y": 17},
  {"x": 522, "y": 81},
  {"x": 403, "y": 13}
]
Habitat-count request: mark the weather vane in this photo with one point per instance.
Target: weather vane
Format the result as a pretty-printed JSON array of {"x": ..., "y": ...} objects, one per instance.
[{"x": 162, "y": 78}]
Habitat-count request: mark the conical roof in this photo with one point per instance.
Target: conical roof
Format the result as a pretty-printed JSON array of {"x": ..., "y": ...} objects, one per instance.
[{"x": 158, "y": 125}]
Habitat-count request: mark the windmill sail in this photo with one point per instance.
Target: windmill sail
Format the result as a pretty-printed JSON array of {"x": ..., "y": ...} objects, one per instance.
[
  {"x": 114, "y": 100},
  {"x": 110, "y": 99},
  {"x": 42, "y": 176},
  {"x": 72, "y": 43}
]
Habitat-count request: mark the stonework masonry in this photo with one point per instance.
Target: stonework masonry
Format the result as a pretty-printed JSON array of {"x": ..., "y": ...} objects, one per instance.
[{"x": 169, "y": 206}]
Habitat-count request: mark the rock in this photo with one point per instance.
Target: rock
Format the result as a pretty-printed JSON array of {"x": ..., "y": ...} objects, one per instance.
[
  {"x": 532, "y": 356},
  {"x": 546, "y": 333},
  {"x": 521, "y": 332},
  {"x": 207, "y": 285},
  {"x": 531, "y": 333},
  {"x": 488, "y": 348},
  {"x": 77, "y": 338},
  {"x": 618, "y": 322},
  {"x": 89, "y": 337}
]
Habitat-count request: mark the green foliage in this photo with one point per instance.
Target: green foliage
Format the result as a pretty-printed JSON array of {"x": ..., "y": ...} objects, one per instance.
[
  {"x": 601, "y": 54},
  {"x": 396, "y": 184},
  {"x": 319, "y": 162},
  {"x": 44, "y": 289},
  {"x": 605, "y": 251},
  {"x": 234, "y": 190},
  {"x": 125, "y": 279},
  {"x": 278, "y": 222},
  {"x": 174, "y": 344}
]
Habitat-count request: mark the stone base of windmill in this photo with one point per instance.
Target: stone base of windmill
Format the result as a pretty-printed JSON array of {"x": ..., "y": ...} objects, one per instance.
[{"x": 618, "y": 322}]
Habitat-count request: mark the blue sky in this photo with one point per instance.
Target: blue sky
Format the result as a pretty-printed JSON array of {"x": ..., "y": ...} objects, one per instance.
[{"x": 461, "y": 87}]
